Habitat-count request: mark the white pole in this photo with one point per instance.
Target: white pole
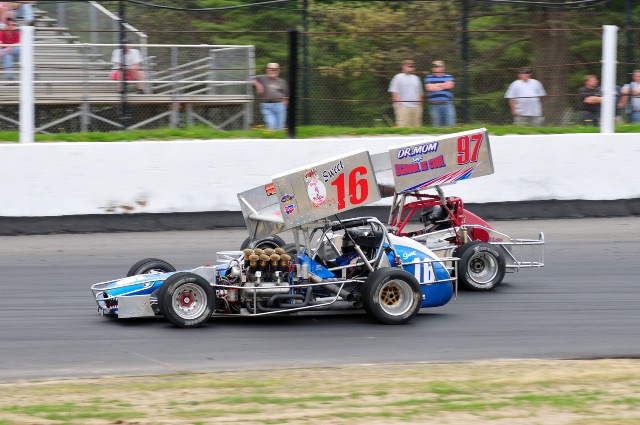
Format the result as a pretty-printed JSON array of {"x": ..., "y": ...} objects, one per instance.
[
  {"x": 609, "y": 63},
  {"x": 27, "y": 108}
]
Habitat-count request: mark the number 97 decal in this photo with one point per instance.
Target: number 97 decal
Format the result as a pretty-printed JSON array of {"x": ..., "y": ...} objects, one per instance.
[
  {"x": 469, "y": 148},
  {"x": 357, "y": 189}
]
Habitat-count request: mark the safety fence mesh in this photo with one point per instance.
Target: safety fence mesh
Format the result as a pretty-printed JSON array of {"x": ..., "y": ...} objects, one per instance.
[{"x": 345, "y": 61}]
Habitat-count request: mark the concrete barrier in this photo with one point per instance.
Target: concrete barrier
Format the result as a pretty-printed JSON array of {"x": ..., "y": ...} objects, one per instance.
[{"x": 111, "y": 179}]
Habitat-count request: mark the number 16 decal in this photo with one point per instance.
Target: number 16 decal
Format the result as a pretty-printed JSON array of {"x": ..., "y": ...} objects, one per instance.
[
  {"x": 356, "y": 184},
  {"x": 466, "y": 152}
]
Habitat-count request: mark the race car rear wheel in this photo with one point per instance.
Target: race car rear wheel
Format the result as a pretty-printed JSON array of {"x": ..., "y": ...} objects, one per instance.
[
  {"x": 186, "y": 299},
  {"x": 268, "y": 242},
  {"x": 150, "y": 265},
  {"x": 391, "y": 296},
  {"x": 481, "y": 267}
]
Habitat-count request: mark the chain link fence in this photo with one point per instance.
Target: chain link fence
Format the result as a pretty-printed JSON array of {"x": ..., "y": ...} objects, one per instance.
[{"x": 345, "y": 63}]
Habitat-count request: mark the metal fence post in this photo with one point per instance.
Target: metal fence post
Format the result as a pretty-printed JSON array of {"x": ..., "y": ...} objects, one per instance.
[
  {"x": 85, "y": 108},
  {"x": 251, "y": 65},
  {"x": 175, "y": 106},
  {"x": 123, "y": 80},
  {"x": 27, "y": 104},
  {"x": 609, "y": 62},
  {"x": 293, "y": 83},
  {"x": 465, "y": 61},
  {"x": 60, "y": 11},
  {"x": 93, "y": 19}
]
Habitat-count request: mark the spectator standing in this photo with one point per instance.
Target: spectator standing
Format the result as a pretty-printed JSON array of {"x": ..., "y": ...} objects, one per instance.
[
  {"x": 407, "y": 94},
  {"x": 632, "y": 91},
  {"x": 10, "y": 54},
  {"x": 439, "y": 95},
  {"x": 590, "y": 97},
  {"x": 273, "y": 91},
  {"x": 524, "y": 99},
  {"x": 132, "y": 67}
]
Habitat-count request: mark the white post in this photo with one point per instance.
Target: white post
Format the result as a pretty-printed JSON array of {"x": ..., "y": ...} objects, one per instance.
[
  {"x": 27, "y": 108},
  {"x": 609, "y": 63}
]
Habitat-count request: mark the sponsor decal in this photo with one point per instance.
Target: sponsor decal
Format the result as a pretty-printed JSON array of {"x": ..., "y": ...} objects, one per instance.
[
  {"x": 317, "y": 192},
  {"x": 452, "y": 176},
  {"x": 287, "y": 198},
  {"x": 496, "y": 240},
  {"x": 419, "y": 167},
  {"x": 311, "y": 174},
  {"x": 332, "y": 172},
  {"x": 289, "y": 209},
  {"x": 407, "y": 255},
  {"x": 422, "y": 149},
  {"x": 270, "y": 189}
]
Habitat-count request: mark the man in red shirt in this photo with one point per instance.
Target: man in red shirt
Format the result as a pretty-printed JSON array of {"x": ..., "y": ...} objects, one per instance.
[{"x": 9, "y": 53}]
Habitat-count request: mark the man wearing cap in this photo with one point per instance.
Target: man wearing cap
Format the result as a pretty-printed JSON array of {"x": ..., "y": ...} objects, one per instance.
[
  {"x": 273, "y": 91},
  {"x": 406, "y": 92},
  {"x": 439, "y": 86},
  {"x": 524, "y": 99}
]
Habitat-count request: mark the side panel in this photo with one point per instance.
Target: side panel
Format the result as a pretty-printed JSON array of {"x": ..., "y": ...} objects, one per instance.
[
  {"x": 432, "y": 276},
  {"x": 261, "y": 211}
]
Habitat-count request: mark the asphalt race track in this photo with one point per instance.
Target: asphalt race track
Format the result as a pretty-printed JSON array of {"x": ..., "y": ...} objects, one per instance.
[{"x": 585, "y": 303}]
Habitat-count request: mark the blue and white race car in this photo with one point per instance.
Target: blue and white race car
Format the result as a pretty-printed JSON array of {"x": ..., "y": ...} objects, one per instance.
[{"x": 332, "y": 264}]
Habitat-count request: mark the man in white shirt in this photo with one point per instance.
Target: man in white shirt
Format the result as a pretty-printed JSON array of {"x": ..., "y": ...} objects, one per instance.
[
  {"x": 524, "y": 99},
  {"x": 407, "y": 94},
  {"x": 632, "y": 90},
  {"x": 132, "y": 67}
]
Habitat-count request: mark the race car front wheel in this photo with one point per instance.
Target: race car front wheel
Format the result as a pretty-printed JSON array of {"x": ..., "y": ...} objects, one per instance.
[
  {"x": 186, "y": 300},
  {"x": 391, "y": 296},
  {"x": 482, "y": 266},
  {"x": 150, "y": 265}
]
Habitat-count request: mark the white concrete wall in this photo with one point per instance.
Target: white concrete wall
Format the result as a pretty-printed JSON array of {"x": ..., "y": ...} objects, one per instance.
[{"x": 51, "y": 179}]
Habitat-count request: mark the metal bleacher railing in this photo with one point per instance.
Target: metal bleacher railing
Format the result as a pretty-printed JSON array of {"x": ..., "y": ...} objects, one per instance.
[{"x": 184, "y": 84}]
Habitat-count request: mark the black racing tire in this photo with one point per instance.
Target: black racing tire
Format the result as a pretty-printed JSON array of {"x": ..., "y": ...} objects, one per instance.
[
  {"x": 391, "y": 296},
  {"x": 482, "y": 266},
  {"x": 150, "y": 265},
  {"x": 268, "y": 242},
  {"x": 292, "y": 249},
  {"x": 186, "y": 299}
]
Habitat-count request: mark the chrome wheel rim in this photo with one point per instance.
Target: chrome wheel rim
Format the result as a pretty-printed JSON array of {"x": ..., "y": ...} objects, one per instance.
[
  {"x": 189, "y": 301},
  {"x": 396, "y": 297},
  {"x": 483, "y": 268}
]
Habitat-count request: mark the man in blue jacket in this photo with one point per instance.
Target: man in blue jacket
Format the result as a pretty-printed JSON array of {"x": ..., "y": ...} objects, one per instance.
[{"x": 439, "y": 86}]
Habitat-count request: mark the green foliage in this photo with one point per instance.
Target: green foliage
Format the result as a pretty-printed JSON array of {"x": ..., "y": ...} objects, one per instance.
[{"x": 354, "y": 48}]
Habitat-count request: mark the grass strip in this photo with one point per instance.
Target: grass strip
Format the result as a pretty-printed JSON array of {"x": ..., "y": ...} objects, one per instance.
[{"x": 605, "y": 392}]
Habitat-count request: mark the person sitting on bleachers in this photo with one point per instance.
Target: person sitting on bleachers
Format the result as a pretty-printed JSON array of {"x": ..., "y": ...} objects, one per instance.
[
  {"x": 132, "y": 67},
  {"x": 10, "y": 35}
]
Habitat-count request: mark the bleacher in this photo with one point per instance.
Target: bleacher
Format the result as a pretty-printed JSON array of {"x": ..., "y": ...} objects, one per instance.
[{"x": 183, "y": 85}]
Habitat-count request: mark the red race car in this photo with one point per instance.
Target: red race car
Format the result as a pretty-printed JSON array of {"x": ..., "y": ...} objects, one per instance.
[{"x": 406, "y": 172}]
